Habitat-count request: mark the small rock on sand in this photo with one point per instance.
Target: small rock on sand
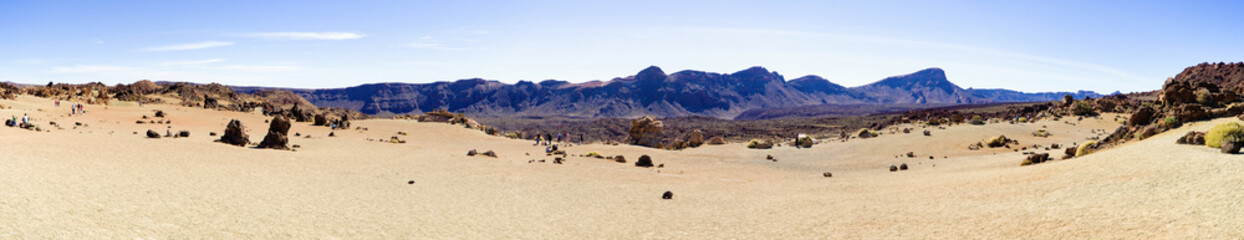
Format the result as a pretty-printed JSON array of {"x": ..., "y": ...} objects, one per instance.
[
  {"x": 668, "y": 195},
  {"x": 644, "y": 161}
]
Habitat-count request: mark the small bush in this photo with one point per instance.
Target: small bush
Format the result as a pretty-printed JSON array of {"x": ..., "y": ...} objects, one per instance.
[
  {"x": 1204, "y": 97},
  {"x": 1171, "y": 122},
  {"x": 1022, "y": 119},
  {"x": 1083, "y": 109},
  {"x": 1086, "y": 148},
  {"x": 864, "y": 133},
  {"x": 1214, "y": 137},
  {"x": 977, "y": 120},
  {"x": 758, "y": 144}
]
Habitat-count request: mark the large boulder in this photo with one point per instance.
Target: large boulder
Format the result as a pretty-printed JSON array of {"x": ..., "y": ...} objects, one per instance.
[
  {"x": 235, "y": 134},
  {"x": 299, "y": 114},
  {"x": 320, "y": 120},
  {"x": 1141, "y": 117},
  {"x": 696, "y": 139},
  {"x": 277, "y": 134},
  {"x": 210, "y": 102},
  {"x": 1177, "y": 92},
  {"x": 646, "y": 131},
  {"x": 1190, "y": 112}
]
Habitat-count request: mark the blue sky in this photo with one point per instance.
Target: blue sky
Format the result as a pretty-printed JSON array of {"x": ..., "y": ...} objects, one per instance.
[{"x": 1022, "y": 45}]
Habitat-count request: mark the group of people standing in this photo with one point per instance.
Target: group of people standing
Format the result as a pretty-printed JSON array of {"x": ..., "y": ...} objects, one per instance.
[
  {"x": 548, "y": 138},
  {"x": 74, "y": 108}
]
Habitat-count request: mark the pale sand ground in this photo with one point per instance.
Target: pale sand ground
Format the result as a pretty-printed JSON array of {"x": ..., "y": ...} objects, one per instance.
[{"x": 103, "y": 181}]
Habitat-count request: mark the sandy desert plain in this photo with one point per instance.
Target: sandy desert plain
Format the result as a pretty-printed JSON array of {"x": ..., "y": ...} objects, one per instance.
[{"x": 106, "y": 179}]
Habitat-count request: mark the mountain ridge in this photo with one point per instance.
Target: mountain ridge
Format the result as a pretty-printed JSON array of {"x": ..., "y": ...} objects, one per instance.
[{"x": 652, "y": 91}]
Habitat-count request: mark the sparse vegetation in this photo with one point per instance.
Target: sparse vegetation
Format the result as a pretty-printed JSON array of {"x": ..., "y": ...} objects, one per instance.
[
  {"x": 1086, "y": 148},
  {"x": 1214, "y": 137},
  {"x": 1083, "y": 109},
  {"x": 977, "y": 120}
]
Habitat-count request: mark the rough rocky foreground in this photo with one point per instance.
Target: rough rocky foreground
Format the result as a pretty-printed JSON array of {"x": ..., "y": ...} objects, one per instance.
[{"x": 117, "y": 184}]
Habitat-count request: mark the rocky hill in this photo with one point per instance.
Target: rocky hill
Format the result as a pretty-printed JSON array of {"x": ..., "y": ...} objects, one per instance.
[{"x": 653, "y": 92}]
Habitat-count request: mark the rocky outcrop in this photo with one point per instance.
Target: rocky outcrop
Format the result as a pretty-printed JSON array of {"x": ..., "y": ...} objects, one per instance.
[
  {"x": 1141, "y": 117},
  {"x": 696, "y": 139},
  {"x": 278, "y": 129},
  {"x": 646, "y": 131},
  {"x": 235, "y": 134}
]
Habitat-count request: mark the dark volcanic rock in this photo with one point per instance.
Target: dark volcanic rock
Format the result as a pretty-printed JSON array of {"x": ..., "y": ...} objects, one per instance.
[
  {"x": 1231, "y": 147},
  {"x": 235, "y": 134},
  {"x": 667, "y": 195},
  {"x": 1194, "y": 138},
  {"x": 1141, "y": 117},
  {"x": 1038, "y": 158},
  {"x": 278, "y": 130},
  {"x": 153, "y": 134},
  {"x": 644, "y": 161}
]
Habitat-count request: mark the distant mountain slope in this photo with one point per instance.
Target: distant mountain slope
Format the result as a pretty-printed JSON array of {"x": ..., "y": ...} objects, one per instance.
[{"x": 653, "y": 92}]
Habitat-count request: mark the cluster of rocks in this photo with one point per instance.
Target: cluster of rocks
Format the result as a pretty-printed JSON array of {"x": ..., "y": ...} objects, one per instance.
[
  {"x": 1227, "y": 137},
  {"x": 168, "y": 134},
  {"x": 331, "y": 120},
  {"x": 901, "y": 167},
  {"x": 1192, "y": 138},
  {"x": 646, "y": 131},
  {"x": 444, "y": 116},
  {"x": 488, "y": 153},
  {"x": 1202, "y": 92},
  {"x": 1035, "y": 158}
]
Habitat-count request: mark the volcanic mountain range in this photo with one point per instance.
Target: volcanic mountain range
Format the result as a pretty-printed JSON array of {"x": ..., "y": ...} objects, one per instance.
[{"x": 653, "y": 92}]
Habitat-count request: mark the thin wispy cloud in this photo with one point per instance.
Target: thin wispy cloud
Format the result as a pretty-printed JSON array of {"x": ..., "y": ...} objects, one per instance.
[
  {"x": 190, "y": 63},
  {"x": 188, "y": 46},
  {"x": 307, "y": 35},
  {"x": 93, "y": 69}
]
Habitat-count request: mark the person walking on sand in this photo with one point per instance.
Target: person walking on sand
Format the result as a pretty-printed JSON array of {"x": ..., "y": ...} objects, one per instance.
[{"x": 25, "y": 119}]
